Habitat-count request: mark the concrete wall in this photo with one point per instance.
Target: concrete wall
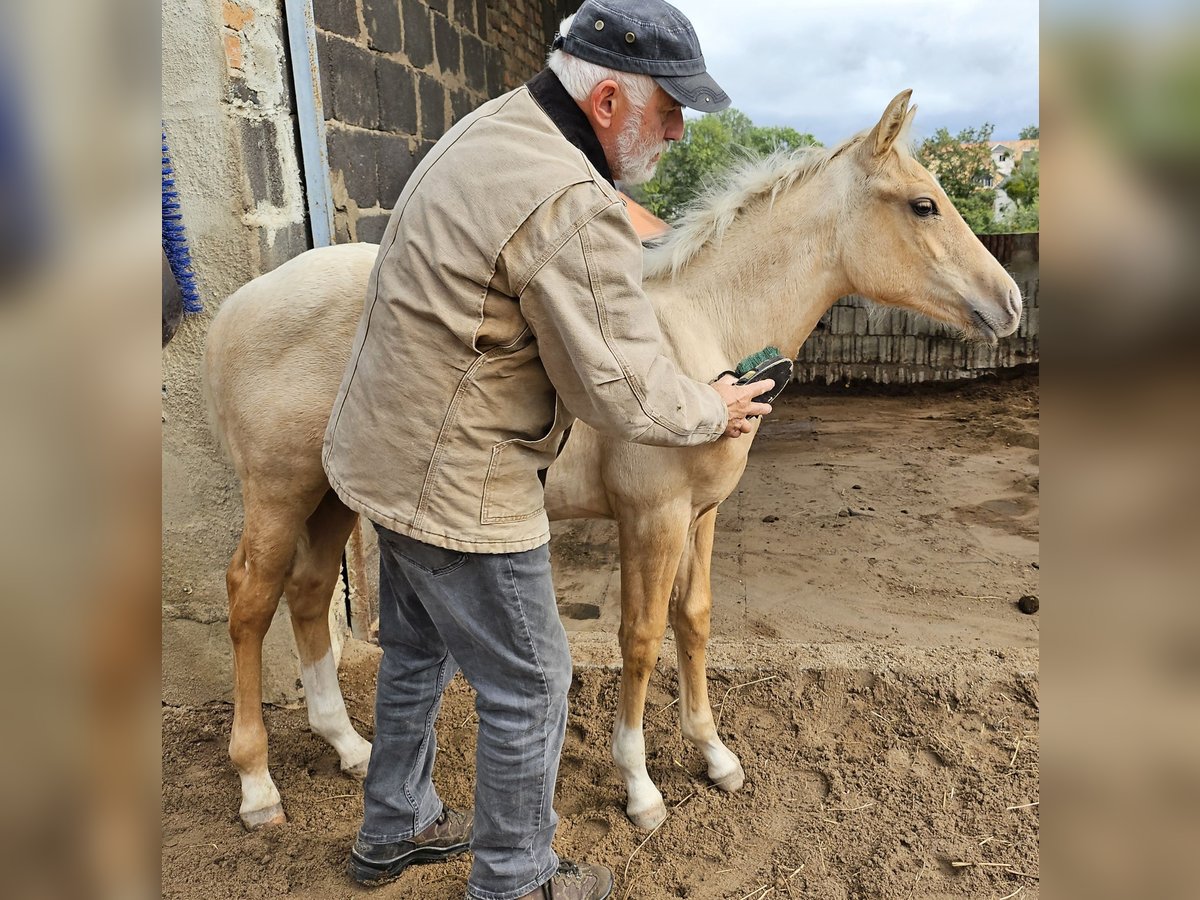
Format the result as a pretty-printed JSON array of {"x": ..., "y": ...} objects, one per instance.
[
  {"x": 228, "y": 114},
  {"x": 394, "y": 75},
  {"x": 860, "y": 341}
]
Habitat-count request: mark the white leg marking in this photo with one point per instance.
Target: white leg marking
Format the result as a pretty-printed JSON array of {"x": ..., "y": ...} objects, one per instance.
[
  {"x": 724, "y": 768},
  {"x": 328, "y": 718},
  {"x": 645, "y": 804},
  {"x": 261, "y": 804}
]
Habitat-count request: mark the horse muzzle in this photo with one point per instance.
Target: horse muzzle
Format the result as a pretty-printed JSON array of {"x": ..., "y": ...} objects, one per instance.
[{"x": 992, "y": 321}]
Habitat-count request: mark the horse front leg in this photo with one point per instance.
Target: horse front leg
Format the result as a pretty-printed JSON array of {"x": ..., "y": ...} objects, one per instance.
[
  {"x": 651, "y": 545},
  {"x": 690, "y": 619}
]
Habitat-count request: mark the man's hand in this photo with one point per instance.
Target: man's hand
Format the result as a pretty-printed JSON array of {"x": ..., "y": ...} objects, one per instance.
[{"x": 739, "y": 400}]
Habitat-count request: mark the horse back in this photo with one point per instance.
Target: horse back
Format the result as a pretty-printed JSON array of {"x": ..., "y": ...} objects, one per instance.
[{"x": 274, "y": 360}]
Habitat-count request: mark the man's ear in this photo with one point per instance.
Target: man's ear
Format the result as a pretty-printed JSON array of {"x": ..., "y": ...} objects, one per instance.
[{"x": 603, "y": 103}]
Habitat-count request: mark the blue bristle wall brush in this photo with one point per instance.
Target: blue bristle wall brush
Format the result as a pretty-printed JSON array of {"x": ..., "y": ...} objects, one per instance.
[{"x": 174, "y": 238}]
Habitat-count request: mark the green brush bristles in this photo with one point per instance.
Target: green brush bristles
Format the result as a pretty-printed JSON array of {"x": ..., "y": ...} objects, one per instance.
[{"x": 750, "y": 363}]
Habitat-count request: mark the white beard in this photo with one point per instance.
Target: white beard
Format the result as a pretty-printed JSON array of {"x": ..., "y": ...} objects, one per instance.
[{"x": 637, "y": 159}]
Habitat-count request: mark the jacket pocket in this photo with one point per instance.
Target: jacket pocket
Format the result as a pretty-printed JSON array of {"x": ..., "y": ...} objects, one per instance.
[{"x": 512, "y": 491}]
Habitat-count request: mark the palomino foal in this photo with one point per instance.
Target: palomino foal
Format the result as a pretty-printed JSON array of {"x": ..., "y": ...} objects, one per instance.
[{"x": 756, "y": 263}]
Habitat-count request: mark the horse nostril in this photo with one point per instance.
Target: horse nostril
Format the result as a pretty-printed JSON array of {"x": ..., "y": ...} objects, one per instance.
[{"x": 1014, "y": 304}]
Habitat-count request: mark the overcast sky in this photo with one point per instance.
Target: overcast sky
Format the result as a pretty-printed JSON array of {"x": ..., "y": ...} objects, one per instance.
[{"x": 830, "y": 68}]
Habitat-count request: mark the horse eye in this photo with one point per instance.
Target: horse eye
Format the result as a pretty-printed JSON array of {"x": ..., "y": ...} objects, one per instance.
[{"x": 924, "y": 207}]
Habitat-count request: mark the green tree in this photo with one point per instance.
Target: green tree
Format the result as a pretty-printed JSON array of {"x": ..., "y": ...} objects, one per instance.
[
  {"x": 1030, "y": 133},
  {"x": 1021, "y": 218},
  {"x": 963, "y": 166},
  {"x": 1024, "y": 182},
  {"x": 710, "y": 145}
]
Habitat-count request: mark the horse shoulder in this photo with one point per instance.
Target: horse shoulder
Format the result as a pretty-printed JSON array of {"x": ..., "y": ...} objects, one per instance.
[
  {"x": 640, "y": 476},
  {"x": 716, "y": 468}
]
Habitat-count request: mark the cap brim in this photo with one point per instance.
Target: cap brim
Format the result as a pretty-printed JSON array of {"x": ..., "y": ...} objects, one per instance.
[{"x": 695, "y": 91}]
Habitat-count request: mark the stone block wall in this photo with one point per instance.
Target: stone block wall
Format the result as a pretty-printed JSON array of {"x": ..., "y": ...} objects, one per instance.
[
  {"x": 521, "y": 31},
  {"x": 396, "y": 74},
  {"x": 228, "y": 113},
  {"x": 858, "y": 340}
]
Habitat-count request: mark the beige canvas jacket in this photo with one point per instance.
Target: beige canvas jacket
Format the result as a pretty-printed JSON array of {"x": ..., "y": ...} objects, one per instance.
[{"x": 506, "y": 300}]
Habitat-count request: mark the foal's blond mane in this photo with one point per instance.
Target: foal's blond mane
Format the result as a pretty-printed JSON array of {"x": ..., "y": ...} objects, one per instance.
[{"x": 709, "y": 216}]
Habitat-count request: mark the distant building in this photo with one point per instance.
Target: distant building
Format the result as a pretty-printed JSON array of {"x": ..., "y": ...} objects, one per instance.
[{"x": 1006, "y": 156}]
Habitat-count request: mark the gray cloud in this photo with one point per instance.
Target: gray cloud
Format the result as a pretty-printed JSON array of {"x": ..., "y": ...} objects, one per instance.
[{"x": 830, "y": 68}]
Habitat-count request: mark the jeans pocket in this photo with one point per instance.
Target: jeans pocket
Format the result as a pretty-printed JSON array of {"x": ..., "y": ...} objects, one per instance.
[{"x": 426, "y": 558}]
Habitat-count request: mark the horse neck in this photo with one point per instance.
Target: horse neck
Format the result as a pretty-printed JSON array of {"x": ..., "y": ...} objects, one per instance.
[{"x": 765, "y": 282}]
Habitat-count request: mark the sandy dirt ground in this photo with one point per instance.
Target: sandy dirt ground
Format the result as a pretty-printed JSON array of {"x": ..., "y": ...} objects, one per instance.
[{"x": 868, "y": 665}]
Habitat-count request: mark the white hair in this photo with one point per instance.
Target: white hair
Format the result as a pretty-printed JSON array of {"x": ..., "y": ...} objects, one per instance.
[{"x": 579, "y": 76}]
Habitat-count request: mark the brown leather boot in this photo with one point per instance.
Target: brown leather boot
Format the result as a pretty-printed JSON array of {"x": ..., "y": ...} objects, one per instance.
[
  {"x": 375, "y": 864},
  {"x": 575, "y": 881}
]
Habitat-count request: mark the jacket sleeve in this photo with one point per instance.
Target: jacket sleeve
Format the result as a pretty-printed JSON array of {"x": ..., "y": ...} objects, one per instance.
[{"x": 600, "y": 342}]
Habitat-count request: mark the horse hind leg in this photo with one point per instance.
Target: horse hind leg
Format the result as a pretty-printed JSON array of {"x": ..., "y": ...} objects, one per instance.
[
  {"x": 309, "y": 589},
  {"x": 255, "y": 582},
  {"x": 650, "y": 551},
  {"x": 690, "y": 621}
]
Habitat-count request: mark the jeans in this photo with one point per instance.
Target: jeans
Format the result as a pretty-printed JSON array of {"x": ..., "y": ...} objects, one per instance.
[{"x": 495, "y": 617}]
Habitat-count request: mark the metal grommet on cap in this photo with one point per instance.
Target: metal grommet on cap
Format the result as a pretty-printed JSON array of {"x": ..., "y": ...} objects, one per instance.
[
  {"x": 599, "y": 24},
  {"x": 629, "y": 38}
]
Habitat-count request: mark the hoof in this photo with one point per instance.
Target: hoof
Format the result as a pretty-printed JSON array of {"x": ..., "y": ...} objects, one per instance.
[
  {"x": 354, "y": 758},
  {"x": 648, "y": 819},
  {"x": 261, "y": 818},
  {"x": 730, "y": 781}
]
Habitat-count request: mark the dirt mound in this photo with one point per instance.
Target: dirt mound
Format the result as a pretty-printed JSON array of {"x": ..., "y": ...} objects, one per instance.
[
  {"x": 860, "y": 783},
  {"x": 865, "y": 531}
]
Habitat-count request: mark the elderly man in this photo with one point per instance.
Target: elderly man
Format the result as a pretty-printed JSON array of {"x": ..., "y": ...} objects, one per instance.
[{"x": 506, "y": 300}]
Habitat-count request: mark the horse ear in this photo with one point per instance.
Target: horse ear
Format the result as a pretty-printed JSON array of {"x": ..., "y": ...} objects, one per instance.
[{"x": 890, "y": 126}]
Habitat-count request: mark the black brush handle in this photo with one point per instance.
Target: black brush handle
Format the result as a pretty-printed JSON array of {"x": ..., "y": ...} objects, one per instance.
[{"x": 779, "y": 370}]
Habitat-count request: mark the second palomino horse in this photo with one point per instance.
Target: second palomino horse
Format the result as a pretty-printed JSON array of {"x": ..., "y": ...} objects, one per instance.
[{"x": 755, "y": 263}]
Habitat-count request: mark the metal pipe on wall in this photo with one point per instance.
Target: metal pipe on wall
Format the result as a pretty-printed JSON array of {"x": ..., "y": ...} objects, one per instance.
[{"x": 306, "y": 81}]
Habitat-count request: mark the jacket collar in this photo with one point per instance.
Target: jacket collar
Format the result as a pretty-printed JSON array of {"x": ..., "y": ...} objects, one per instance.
[{"x": 565, "y": 113}]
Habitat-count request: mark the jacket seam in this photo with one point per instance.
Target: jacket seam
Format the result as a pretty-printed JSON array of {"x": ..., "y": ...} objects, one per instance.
[
  {"x": 405, "y": 528},
  {"x": 439, "y": 446},
  {"x": 630, "y": 377},
  {"x": 583, "y": 219},
  {"x": 500, "y": 252},
  {"x": 497, "y": 451},
  {"x": 369, "y": 313},
  {"x": 589, "y": 175},
  {"x": 435, "y": 461},
  {"x": 484, "y": 517}
]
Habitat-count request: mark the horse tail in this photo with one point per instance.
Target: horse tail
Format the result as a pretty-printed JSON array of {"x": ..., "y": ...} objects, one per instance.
[{"x": 212, "y": 363}]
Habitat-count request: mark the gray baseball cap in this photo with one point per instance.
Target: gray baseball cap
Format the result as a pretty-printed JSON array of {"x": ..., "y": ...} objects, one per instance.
[{"x": 646, "y": 37}]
